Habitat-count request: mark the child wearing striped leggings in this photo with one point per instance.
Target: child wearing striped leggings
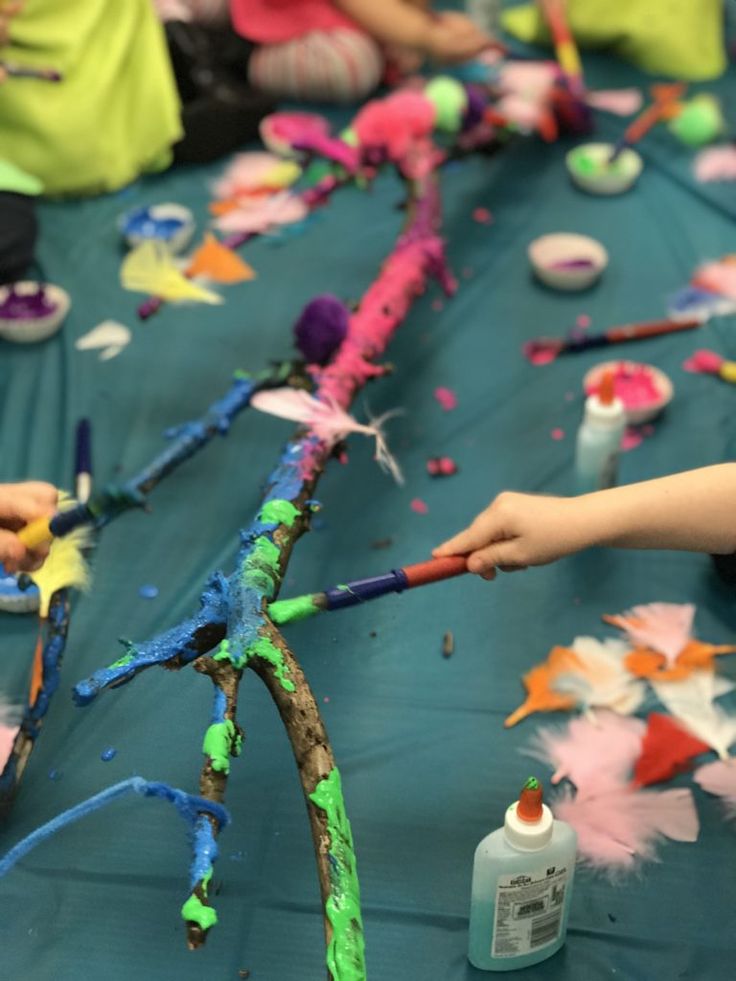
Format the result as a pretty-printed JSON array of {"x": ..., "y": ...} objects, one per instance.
[{"x": 335, "y": 50}]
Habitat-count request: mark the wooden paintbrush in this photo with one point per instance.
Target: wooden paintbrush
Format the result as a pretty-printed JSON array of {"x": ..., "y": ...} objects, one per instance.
[{"x": 542, "y": 350}]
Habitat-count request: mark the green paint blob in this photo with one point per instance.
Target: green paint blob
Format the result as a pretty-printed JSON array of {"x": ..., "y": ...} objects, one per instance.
[
  {"x": 700, "y": 122},
  {"x": 346, "y": 950},
  {"x": 450, "y": 100},
  {"x": 291, "y": 610},
  {"x": 350, "y": 137},
  {"x": 196, "y": 911},
  {"x": 531, "y": 784},
  {"x": 268, "y": 651},
  {"x": 279, "y": 513},
  {"x": 219, "y": 741},
  {"x": 262, "y": 566},
  {"x": 122, "y": 661}
]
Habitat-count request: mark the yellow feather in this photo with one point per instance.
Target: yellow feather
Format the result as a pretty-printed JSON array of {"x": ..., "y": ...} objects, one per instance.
[
  {"x": 65, "y": 566},
  {"x": 149, "y": 268}
]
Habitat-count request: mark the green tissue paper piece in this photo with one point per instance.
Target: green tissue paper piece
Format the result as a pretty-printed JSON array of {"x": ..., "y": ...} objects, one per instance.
[
  {"x": 346, "y": 950},
  {"x": 14, "y": 179},
  {"x": 292, "y": 610},
  {"x": 279, "y": 512},
  {"x": 196, "y": 911},
  {"x": 219, "y": 739}
]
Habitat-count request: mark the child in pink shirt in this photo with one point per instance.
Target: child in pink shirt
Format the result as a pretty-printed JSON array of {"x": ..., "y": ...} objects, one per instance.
[{"x": 335, "y": 50}]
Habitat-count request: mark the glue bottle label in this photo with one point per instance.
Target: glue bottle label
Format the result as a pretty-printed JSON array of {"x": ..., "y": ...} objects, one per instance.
[{"x": 528, "y": 913}]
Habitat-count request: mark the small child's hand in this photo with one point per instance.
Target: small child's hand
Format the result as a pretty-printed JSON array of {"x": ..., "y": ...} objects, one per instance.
[
  {"x": 454, "y": 37},
  {"x": 19, "y": 505},
  {"x": 519, "y": 530}
]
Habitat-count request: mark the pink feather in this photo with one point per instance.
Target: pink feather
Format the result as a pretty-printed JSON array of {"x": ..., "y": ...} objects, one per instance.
[
  {"x": 265, "y": 214},
  {"x": 719, "y": 779},
  {"x": 717, "y": 163},
  {"x": 704, "y": 362},
  {"x": 718, "y": 277},
  {"x": 663, "y": 627},
  {"x": 326, "y": 420},
  {"x": 619, "y": 102},
  {"x": 247, "y": 172},
  {"x": 618, "y": 828},
  {"x": 595, "y": 752}
]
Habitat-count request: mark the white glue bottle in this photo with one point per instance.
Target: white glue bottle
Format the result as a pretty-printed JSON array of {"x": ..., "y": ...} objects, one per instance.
[
  {"x": 599, "y": 439},
  {"x": 522, "y": 885}
]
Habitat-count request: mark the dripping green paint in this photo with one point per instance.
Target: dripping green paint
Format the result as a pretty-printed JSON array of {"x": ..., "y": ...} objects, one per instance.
[
  {"x": 220, "y": 740},
  {"x": 279, "y": 512},
  {"x": 346, "y": 950},
  {"x": 196, "y": 911},
  {"x": 291, "y": 610}
]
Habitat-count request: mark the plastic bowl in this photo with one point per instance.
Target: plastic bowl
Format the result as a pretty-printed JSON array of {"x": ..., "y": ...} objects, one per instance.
[
  {"x": 554, "y": 259},
  {"x": 637, "y": 412},
  {"x": 31, "y": 329},
  {"x": 170, "y": 223},
  {"x": 589, "y": 169}
]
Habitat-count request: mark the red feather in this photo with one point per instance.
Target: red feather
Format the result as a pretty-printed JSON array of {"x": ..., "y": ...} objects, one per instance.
[{"x": 666, "y": 750}]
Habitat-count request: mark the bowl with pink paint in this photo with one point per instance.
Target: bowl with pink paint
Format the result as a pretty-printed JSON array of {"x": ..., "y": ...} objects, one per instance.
[{"x": 644, "y": 389}]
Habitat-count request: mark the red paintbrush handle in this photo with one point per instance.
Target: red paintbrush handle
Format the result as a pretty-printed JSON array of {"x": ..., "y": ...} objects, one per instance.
[
  {"x": 435, "y": 570},
  {"x": 635, "y": 332}
]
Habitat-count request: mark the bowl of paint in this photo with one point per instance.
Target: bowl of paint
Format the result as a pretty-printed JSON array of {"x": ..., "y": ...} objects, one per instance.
[
  {"x": 566, "y": 261},
  {"x": 31, "y": 312},
  {"x": 644, "y": 389},
  {"x": 590, "y": 170},
  {"x": 170, "y": 223}
]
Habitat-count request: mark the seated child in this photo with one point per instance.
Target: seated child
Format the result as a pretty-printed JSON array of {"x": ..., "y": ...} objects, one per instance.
[
  {"x": 335, "y": 50},
  {"x": 692, "y": 511}
]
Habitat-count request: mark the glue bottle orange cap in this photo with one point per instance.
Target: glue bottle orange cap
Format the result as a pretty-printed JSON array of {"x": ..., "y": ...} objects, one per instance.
[{"x": 529, "y": 808}]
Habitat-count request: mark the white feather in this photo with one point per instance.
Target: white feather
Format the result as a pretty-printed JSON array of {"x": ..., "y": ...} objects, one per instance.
[{"x": 692, "y": 702}]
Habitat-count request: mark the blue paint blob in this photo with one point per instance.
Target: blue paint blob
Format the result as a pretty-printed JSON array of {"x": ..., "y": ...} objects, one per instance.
[
  {"x": 148, "y": 591},
  {"x": 108, "y": 754}
]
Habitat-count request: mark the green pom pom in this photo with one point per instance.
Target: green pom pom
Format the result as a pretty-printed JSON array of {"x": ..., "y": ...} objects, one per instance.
[
  {"x": 450, "y": 101},
  {"x": 350, "y": 137},
  {"x": 700, "y": 122}
]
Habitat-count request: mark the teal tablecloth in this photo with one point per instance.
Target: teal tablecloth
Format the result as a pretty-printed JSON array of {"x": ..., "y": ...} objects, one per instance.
[{"x": 427, "y": 766}]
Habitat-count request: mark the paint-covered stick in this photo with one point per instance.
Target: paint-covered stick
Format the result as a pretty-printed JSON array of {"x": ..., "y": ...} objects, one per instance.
[
  {"x": 663, "y": 107},
  {"x": 362, "y": 590}
]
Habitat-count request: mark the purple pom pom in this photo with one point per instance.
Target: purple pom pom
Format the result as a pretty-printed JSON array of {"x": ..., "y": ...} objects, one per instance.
[
  {"x": 321, "y": 328},
  {"x": 476, "y": 107}
]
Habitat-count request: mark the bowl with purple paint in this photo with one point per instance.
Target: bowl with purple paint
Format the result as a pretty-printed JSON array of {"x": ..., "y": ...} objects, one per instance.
[
  {"x": 567, "y": 261},
  {"x": 644, "y": 389},
  {"x": 31, "y": 312}
]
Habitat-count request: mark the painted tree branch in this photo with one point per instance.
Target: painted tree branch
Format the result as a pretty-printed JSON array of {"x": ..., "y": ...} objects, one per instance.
[{"x": 251, "y": 640}]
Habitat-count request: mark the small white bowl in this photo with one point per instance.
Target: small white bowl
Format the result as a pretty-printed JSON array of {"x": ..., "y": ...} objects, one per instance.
[
  {"x": 588, "y": 166},
  {"x": 30, "y": 330},
  {"x": 548, "y": 254},
  {"x": 635, "y": 415},
  {"x": 144, "y": 223}
]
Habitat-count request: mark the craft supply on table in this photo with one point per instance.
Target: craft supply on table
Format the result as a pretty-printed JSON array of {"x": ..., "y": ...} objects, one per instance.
[
  {"x": 31, "y": 312},
  {"x": 170, "y": 223},
  {"x": 709, "y": 363},
  {"x": 83, "y": 461},
  {"x": 643, "y": 389},
  {"x": 543, "y": 350},
  {"x": 362, "y": 590},
  {"x": 567, "y": 261},
  {"x": 15, "y": 598},
  {"x": 590, "y": 168},
  {"x": 598, "y": 443},
  {"x": 665, "y": 106},
  {"x": 522, "y": 886}
]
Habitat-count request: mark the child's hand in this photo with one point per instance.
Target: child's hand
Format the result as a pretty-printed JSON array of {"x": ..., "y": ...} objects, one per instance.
[
  {"x": 19, "y": 505},
  {"x": 454, "y": 37},
  {"x": 519, "y": 530}
]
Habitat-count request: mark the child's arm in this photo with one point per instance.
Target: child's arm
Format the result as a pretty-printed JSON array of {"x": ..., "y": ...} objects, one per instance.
[
  {"x": 693, "y": 511},
  {"x": 446, "y": 36},
  {"x": 19, "y": 505}
]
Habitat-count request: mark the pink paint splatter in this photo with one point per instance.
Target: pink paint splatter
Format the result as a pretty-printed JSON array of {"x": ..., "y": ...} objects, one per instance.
[
  {"x": 446, "y": 398},
  {"x": 704, "y": 363},
  {"x": 441, "y": 466},
  {"x": 583, "y": 321},
  {"x": 326, "y": 698},
  {"x": 538, "y": 353},
  {"x": 557, "y": 433},
  {"x": 631, "y": 438},
  {"x": 483, "y": 216},
  {"x": 437, "y": 305},
  {"x": 419, "y": 506}
]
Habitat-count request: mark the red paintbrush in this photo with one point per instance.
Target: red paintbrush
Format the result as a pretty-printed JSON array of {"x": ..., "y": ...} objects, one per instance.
[{"x": 546, "y": 349}]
